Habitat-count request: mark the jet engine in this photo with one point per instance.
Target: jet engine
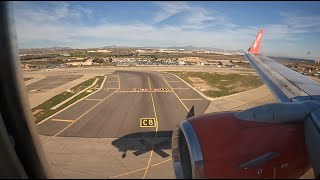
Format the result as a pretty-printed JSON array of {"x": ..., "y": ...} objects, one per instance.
[{"x": 267, "y": 141}]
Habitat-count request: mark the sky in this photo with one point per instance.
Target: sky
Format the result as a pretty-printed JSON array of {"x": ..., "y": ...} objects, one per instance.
[{"x": 291, "y": 29}]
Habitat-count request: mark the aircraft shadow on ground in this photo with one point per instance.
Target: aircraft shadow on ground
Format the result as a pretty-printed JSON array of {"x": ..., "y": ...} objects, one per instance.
[{"x": 143, "y": 142}]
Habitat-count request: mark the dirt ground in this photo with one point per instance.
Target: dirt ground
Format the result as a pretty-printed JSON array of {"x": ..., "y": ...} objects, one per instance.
[{"x": 202, "y": 85}]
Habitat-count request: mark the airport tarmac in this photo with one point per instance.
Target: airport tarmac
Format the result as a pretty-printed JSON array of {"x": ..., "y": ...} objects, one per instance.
[
  {"x": 50, "y": 82},
  {"x": 129, "y": 121}
]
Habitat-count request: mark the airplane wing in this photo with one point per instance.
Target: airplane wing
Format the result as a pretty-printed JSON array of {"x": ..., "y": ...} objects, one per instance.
[
  {"x": 286, "y": 84},
  {"x": 289, "y": 87}
]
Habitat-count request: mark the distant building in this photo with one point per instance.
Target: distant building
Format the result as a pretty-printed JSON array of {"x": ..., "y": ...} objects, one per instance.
[
  {"x": 182, "y": 62},
  {"x": 85, "y": 63},
  {"x": 168, "y": 50},
  {"x": 227, "y": 64},
  {"x": 212, "y": 63},
  {"x": 103, "y": 50}
]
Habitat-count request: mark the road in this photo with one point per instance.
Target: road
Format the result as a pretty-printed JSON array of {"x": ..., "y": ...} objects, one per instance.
[{"x": 116, "y": 117}]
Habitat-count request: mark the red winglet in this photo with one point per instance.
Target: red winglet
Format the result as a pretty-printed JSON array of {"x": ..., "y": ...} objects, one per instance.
[{"x": 256, "y": 44}]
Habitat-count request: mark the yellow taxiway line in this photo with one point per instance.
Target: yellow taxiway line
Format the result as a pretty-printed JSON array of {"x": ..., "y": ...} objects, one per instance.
[
  {"x": 175, "y": 94},
  {"x": 80, "y": 116},
  {"x": 62, "y": 120},
  {"x": 155, "y": 136},
  {"x": 137, "y": 170},
  {"x": 72, "y": 104}
]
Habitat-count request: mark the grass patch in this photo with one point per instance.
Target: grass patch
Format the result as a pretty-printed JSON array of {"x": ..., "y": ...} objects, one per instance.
[
  {"x": 83, "y": 85},
  {"x": 44, "y": 110},
  {"x": 217, "y": 85},
  {"x": 27, "y": 79}
]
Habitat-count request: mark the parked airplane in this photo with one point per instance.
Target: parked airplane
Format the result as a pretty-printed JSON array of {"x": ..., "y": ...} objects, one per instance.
[{"x": 279, "y": 140}]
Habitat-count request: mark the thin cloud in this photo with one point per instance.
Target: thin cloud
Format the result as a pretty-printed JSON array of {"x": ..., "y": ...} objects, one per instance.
[
  {"x": 62, "y": 24},
  {"x": 193, "y": 17},
  {"x": 169, "y": 9},
  {"x": 301, "y": 23}
]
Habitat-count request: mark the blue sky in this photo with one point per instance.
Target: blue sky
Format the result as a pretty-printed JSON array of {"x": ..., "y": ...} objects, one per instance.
[{"x": 290, "y": 28}]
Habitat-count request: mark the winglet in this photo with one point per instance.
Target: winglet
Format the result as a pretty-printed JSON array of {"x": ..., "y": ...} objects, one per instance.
[{"x": 256, "y": 44}]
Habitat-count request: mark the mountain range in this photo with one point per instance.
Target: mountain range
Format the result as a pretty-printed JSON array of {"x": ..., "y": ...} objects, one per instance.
[{"x": 188, "y": 48}]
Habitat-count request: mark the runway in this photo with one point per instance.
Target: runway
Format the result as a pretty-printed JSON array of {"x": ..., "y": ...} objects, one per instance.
[{"x": 135, "y": 113}]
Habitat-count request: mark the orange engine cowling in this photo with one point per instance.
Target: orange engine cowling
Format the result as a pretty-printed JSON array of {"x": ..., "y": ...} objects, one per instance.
[{"x": 222, "y": 146}]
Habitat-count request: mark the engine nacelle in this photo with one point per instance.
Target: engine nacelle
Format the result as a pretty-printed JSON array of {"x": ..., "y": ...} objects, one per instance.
[{"x": 220, "y": 145}]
